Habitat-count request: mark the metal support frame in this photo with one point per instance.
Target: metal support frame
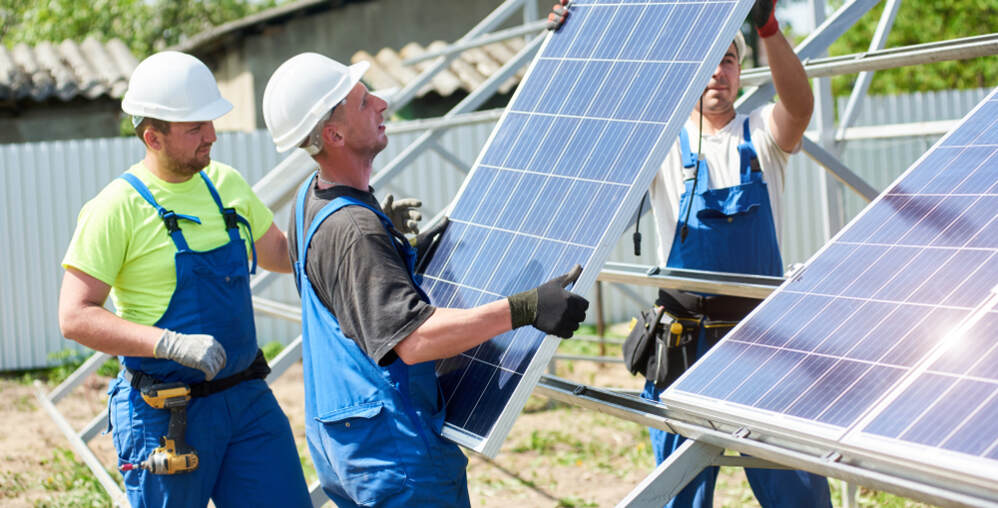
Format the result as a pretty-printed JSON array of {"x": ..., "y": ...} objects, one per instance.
[
  {"x": 863, "y": 80},
  {"x": 716, "y": 435}
]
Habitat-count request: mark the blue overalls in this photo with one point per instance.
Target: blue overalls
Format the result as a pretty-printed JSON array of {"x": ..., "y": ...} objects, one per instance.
[
  {"x": 246, "y": 452},
  {"x": 373, "y": 432},
  {"x": 731, "y": 230}
]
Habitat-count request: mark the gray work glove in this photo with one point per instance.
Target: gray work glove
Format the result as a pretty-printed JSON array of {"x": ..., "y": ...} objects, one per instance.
[
  {"x": 403, "y": 214},
  {"x": 426, "y": 243},
  {"x": 550, "y": 307},
  {"x": 200, "y": 352},
  {"x": 557, "y": 16}
]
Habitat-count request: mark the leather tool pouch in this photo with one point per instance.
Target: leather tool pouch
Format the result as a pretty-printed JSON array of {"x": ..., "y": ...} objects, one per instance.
[{"x": 660, "y": 346}]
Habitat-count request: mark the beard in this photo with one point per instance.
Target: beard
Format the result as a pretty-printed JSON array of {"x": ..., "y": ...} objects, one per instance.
[{"x": 188, "y": 165}]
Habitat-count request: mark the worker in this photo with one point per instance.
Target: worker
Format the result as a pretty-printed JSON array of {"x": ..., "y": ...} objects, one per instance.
[
  {"x": 171, "y": 242},
  {"x": 716, "y": 202},
  {"x": 373, "y": 405}
]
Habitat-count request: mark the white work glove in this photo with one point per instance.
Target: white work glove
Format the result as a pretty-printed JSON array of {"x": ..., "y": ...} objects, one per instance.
[
  {"x": 200, "y": 352},
  {"x": 403, "y": 214}
]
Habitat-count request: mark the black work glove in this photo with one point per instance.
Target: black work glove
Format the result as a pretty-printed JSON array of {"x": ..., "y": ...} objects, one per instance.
[
  {"x": 425, "y": 243},
  {"x": 557, "y": 16},
  {"x": 403, "y": 213},
  {"x": 550, "y": 307},
  {"x": 763, "y": 18}
]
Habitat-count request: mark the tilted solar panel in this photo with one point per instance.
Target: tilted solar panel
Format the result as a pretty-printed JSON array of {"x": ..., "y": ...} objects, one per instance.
[
  {"x": 559, "y": 178},
  {"x": 887, "y": 341}
]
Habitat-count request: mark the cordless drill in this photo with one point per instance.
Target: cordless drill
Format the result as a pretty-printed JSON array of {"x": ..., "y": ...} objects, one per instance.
[{"x": 174, "y": 455}]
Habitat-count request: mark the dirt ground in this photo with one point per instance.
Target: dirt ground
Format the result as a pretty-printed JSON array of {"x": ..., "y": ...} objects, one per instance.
[{"x": 555, "y": 456}]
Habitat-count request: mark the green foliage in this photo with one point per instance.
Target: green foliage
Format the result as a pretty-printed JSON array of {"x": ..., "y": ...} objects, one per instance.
[
  {"x": 72, "y": 483},
  {"x": 145, "y": 26},
  {"x": 919, "y": 22},
  {"x": 66, "y": 361},
  {"x": 271, "y": 350}
]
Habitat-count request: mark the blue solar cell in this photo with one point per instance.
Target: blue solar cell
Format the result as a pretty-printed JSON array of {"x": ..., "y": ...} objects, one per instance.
[
  {"x": 978, "y": 123},
  {"x": 879, "y": 271},
  {"x": 947, "y": 412},
  {"x": 969, "y": 438},
  {"x": 875, "y": 217},
  {"x": 836, "y": 379},
  {"x": 635, "y": 148},
  {"x": 552, "y": 147},
  {"x": 664, "y": 103},
  {"x": 877, "y": 341},
  {"x": 771, "y": 371},
  {"x": 580, "y": 147},
  {"x": 954, "y": 174},
  {"x": 860, "y": 397},
  {"x": 951, "y": 275},
  {"x": 906, "y": 217},
  {"x": 526, "y": 145},
  {"x": 849, "y": 270},
  {"x": 899, "y": 415}
]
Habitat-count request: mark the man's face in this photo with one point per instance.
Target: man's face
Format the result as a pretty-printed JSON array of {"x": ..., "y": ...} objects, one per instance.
[
  {"x": 722, "y": 90},
  {"x": 187, "y": 147},
  {"x": 361, "y": 121}
]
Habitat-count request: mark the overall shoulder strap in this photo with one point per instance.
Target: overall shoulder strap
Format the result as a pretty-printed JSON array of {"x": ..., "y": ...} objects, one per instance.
[
  {"x": 748, "y": 158},
  {"x": 170, "y": 218},
  {"x": 232, "y": 219},
  {"x": 689, "y": 158}
]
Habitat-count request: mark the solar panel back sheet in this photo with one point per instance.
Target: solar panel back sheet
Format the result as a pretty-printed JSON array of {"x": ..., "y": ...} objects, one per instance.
[
  {"x": 885, "y": 344},
  {"x": 560, "y": 177}
]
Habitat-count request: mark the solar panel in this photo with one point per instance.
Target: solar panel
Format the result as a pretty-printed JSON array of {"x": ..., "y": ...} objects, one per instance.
[
  {"x": 886, "y": 342},
  {"x": 560, "y": 177}
]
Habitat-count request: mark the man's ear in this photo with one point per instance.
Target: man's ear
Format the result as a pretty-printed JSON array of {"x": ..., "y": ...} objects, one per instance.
[
  {"x": 153, "y": 138},
  {"x": 332, "y": 134}
]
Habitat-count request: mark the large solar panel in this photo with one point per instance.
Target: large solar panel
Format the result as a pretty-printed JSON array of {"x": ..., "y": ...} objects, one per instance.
[
  {"x": 886, "y": 343},
  {"x": 559, "y": 178}
]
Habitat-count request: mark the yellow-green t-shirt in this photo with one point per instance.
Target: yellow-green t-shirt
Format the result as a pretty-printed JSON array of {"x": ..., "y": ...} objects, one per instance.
[{"x": 121, "y": 240}]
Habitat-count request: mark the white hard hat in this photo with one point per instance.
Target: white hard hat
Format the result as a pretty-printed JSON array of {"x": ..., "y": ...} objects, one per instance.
[
  {"x": 301, "y": 92},
  {"x": 740, "y": 45},
  {"x": 174, "y": 87}
]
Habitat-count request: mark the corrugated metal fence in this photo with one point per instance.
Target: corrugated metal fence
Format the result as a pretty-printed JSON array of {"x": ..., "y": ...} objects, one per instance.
[{"x": 45, "y": 184}]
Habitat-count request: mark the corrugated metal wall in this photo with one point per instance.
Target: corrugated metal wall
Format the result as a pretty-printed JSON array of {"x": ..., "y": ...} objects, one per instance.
[{"x": 45, "y": 184}]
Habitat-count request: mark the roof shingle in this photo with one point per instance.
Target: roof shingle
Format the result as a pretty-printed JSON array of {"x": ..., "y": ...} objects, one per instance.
[
  {"x": 466, "y": 72},
  {"x": 46, "y": 71}
]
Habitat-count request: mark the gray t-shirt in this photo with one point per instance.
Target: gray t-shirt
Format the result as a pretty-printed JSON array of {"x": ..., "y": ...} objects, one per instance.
[{"x": 359, "y": 275}]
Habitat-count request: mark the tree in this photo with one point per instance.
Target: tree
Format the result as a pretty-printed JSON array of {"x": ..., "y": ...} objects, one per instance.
[
  {"x": 145, "y": 26},
  {"x": 919, "y": 22}
]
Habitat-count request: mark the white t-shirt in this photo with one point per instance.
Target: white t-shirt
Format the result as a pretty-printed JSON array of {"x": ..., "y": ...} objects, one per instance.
[{"x": 721, "y": 152}]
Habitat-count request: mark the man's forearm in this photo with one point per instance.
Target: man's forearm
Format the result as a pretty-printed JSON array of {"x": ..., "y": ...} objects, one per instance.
[
  {"x": 99, "y": 329},
  {"x": 789, "y": 77},
  {"x": 448, "y": 332}
]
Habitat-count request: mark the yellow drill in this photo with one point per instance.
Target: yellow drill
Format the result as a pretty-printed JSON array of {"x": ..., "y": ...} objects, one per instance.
[{"x": 174, "y": 455}]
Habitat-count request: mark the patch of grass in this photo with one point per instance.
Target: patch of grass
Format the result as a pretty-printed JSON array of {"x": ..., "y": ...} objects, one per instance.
[
  {"x": 574, "y": 502},
  {"x": 71, "y": 483},
  {"x": 11, "y": 484},
  {"x": 272, "y": 349},
  {"x": 66, "y": 362}
]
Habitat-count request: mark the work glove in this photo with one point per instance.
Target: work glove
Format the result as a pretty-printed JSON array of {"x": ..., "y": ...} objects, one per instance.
[
  {"x": 557, "y": 16},
  {"x": 403, "y": 213},
  {"x": 763, "y": 17},
  {"x": 201, "y": 352},
  {"x": 425, "y": 243},
  {"x": 550, "y": 307}
]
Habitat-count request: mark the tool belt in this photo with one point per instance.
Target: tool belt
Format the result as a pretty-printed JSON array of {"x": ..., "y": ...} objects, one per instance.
[
  {"x": 257, "y": 370},
  {"x": 664, "y": 340}
]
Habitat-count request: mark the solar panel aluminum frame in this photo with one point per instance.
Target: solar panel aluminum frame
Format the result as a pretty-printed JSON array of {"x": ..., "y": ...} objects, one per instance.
[
  {"x": 947, "y": 470},
  {"x": 490, "y": 444}
]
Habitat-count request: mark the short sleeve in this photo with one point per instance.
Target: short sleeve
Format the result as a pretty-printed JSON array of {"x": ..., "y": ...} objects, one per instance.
[{"x": 99, "y": 244}]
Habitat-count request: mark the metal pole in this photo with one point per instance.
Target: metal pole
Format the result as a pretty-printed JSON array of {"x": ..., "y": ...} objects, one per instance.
[
  {"x": 600, "y": 325},
  {"x": 863, "y": 80}
]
